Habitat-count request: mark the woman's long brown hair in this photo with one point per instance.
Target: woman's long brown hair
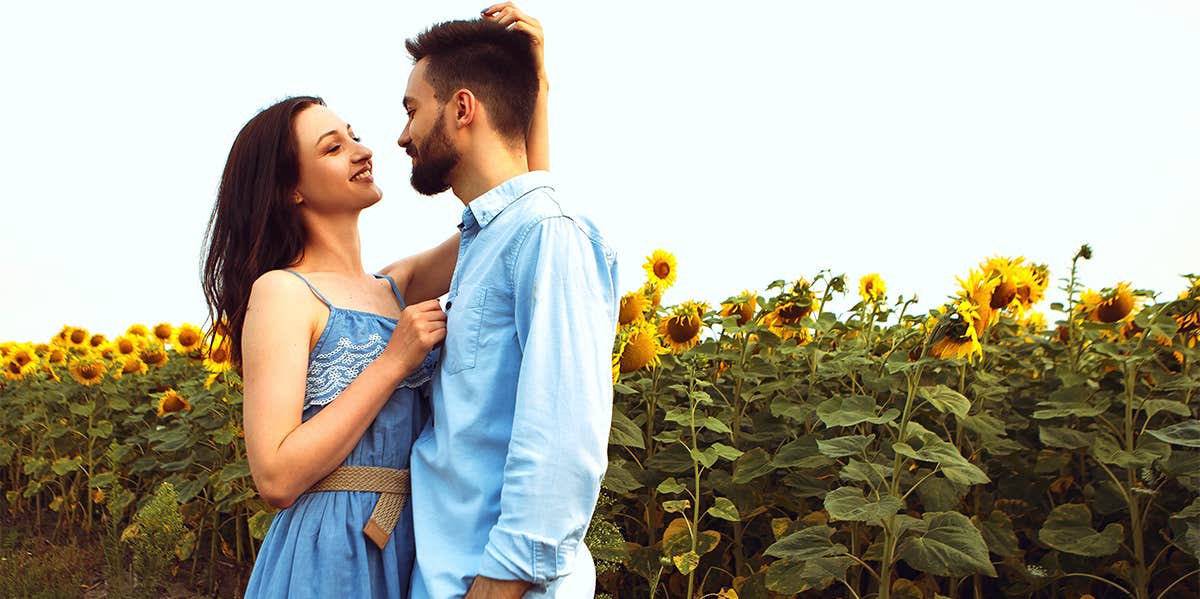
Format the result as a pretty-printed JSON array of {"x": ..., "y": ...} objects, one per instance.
[{"x": 255, "y": 226}]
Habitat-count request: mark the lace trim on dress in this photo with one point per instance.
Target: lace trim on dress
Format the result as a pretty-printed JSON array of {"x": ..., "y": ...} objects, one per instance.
[{"x": 331, "y": 372}]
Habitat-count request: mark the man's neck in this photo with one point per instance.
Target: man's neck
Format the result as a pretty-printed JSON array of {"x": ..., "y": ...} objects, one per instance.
[{"x": 477, "y": 175}]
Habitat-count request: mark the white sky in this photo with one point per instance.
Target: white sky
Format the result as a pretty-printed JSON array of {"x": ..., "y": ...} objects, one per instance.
[{"x": 755, "y": 140}]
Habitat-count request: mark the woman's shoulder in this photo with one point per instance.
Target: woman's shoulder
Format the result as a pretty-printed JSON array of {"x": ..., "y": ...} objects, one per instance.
[{"x": 282, "y": 293}]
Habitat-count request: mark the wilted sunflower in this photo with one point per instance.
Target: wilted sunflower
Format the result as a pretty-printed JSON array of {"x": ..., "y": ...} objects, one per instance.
[
  {"x": 953, "y": 335},
  {"x": 88, "y": 371},
  {"x": 138, "y": 330},
  {"x": 633, "y": 306},
  {"x": 742, "y": 306},
  {"x": 660, "y": 268},
  {"x": 791, "y": 307},
  {"x": 153, "y": 355},
  {"x": 171, "y": 401},
  {"x": 187, "y": 337},
  {"x": 1109, "y": 305},
  {"x": 163, "y": 331},
  {"x": 681, "y": 328},
  {"x": 872, "y": 288},
  {"x": 638, "y": 347}
]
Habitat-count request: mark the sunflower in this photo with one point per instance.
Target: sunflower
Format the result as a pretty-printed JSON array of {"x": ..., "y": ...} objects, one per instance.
[
  {"x": 1034, "y": 321},
  {"x": 21, "y": 361},
  {"x": 1109, "y": 305},
  {"x": 12, "y": 370},
  {"x": 681, "y": 328},
  {"x": 1031, "y": 285},
  {"x": 74, "y": 337},
  {"x": 872, "y": 288},
  {"x": 129, "y": 365},
  {"x": 128, "y": 345},
  {"x": 138, "y": 330},
  {"x": 954, "y": 335},
  {"x": 153, "y": 354},
  {"x": 56, "y": 356},
  {"x": 187, "y": 337},
  {"x": 163, "y": 331},
  {"x": 633, "y": 306},
  {"x": 88, "y": 371},
  {"x": 172, "y": 401},
  {"x": 638, "y": 347},
  {"x": 660, "y": 268},
  {"x": 217, "y": 354},
  {"x": 23, "y": 355},
  {"x": 742, "y": 306},
  {"x": 980, "y": 291}
]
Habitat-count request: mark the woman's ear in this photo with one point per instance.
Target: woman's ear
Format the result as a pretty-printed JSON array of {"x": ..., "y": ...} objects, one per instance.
[{"x": 297, "y": 198}]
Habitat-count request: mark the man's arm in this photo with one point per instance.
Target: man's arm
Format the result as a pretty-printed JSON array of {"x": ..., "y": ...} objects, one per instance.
[{"x": 565, "y": 296}]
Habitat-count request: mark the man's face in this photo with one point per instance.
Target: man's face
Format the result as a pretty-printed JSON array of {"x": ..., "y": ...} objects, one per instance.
[{"x": 425, "y": 137}]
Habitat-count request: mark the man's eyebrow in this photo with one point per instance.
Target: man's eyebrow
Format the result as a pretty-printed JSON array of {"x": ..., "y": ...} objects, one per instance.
[
  {"x": 407, "y": 100},
  {"x": 328, "y": 133}
]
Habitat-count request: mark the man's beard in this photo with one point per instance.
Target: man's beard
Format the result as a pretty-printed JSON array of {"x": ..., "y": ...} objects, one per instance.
[{"x": 431, "y": 171}]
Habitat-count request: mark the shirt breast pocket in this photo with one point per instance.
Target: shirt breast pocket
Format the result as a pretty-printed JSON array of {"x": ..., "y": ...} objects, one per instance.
[{"x": 464, "y": 321}]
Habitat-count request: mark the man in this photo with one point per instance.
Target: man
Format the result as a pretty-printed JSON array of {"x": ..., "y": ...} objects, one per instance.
[{"x": 506, "y": 475}]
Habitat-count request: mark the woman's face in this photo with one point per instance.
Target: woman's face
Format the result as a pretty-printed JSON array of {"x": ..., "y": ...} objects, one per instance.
[{"x": 335, "y": 170}]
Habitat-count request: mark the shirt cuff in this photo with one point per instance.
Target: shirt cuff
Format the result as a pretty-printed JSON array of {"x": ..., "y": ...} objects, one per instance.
[{"x": 512, "y": 555}]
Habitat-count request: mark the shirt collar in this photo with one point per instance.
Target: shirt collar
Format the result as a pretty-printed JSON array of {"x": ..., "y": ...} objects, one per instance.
[{"x": 485, "y": 208}]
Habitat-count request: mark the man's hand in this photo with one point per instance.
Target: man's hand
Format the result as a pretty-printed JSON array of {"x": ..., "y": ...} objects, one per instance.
[{"x": 490, "y": 588}]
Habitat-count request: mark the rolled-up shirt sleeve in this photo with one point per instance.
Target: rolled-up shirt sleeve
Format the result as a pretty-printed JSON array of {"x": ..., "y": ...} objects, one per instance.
[{"x": 564, "y": 290}]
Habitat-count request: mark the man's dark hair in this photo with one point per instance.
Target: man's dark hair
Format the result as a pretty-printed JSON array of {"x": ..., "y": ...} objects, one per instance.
[{"x": 496, "y": 64}]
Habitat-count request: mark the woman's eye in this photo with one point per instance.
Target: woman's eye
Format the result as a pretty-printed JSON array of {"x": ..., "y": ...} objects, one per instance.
[
  {"x": 333, "y": 148},
  {"x": 357, "y": 139}
]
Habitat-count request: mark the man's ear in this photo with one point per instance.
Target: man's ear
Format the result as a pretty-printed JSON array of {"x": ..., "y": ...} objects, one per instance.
[{"x": 465, "y": 106}]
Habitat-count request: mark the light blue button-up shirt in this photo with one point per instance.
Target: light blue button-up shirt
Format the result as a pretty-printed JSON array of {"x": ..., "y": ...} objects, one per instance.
[{"x": 505, "y": 477}]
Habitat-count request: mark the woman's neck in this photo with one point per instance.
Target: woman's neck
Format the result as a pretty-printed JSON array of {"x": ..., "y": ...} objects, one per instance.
[{"x": 333, "y": 245}]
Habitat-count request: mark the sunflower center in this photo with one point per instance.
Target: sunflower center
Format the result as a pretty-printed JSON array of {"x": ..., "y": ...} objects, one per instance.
[
  {"x": 153, "y": 356},
  {"x": 13, "y": 367},
  {"x": 662, "y": 269},
  {"x": 1116, "y": 308},
  {"x": 22, "y": 358},
  {"x": 125, "y": 346},
  {"x": 1003, "y": 295},
  {"x": 793, "y": 312},
  {"x": 78, "y": 337},
  {"x": 162, "y": 332},
  {"x": 219, "y": 354},
  {"x": 90, "y": 370},
  {"x": 683, "y": 328},
  {"x": 188, "y": 338}
]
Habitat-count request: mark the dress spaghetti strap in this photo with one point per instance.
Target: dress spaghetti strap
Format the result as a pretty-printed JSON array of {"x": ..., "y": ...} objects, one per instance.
[
  {"x": 314, "y": 289},
  {"x": 395, "y": 288}
]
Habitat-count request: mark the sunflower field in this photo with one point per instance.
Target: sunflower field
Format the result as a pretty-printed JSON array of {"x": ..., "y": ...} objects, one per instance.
[{"x": 764, "y": 447}]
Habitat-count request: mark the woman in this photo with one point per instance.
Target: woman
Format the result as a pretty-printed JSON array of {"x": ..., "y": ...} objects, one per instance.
[{"x": 335, "y": 361}]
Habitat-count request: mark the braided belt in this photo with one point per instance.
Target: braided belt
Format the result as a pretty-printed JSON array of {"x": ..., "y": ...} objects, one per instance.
[{"x": 392, "y": 485}]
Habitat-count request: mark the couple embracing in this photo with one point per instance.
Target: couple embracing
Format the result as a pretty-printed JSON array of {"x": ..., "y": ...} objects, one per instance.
[{"x": 418, "y": 451}]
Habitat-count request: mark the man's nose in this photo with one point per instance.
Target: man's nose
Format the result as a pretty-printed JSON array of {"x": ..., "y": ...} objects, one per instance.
[{"x": 404, "y": 139}]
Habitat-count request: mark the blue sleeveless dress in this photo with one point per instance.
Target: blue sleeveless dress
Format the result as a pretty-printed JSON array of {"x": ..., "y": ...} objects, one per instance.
[{"x": 316, "y": 547}]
